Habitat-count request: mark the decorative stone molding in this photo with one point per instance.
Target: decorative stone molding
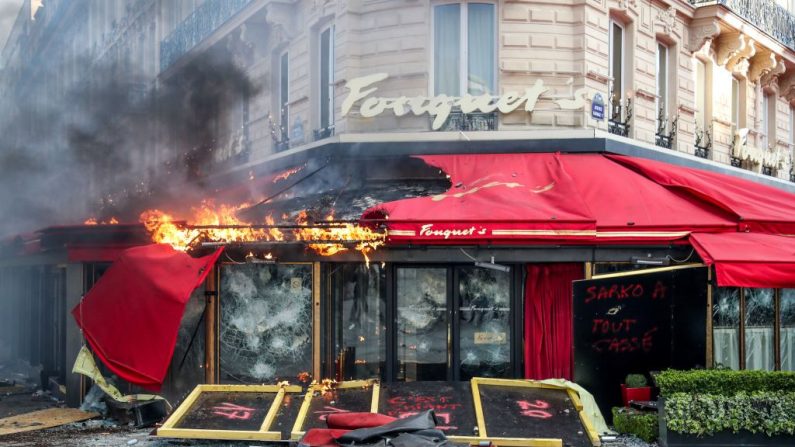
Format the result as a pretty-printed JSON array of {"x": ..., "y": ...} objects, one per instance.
[
  {"x": 281, "y": 17},
  {"x": 763, "y": 63},
  {"x": 770, "y": 80},
  {"x": 702, "y": 35},
  {"x": 626, "y": 4},
  {"x": 729, "y": 46},
  {"x": 667, "y": 19},
  {"x": 687, "y": 109},
  {"x": 598, "y": 77},
  {"x": 739, "y": 62},
  {"x": 642, "y": 93},
  {"x": 786, "y": 87}
]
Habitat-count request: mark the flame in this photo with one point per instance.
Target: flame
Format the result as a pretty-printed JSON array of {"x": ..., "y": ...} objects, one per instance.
[
  {"x": 327, "y": 239},
  {"x": 165, "y": 229},
  {"x": 94, "y": 221},
  {"x": 287, "y": 173}
]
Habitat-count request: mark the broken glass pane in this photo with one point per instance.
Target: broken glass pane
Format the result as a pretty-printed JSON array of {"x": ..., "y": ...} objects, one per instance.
[
  {"x": 359, "y": 303},
  {"x": 187, "y": 363},
  {"x": 422, "y": 335},
  {"x": 759, "y": 318},
  {"x": 787, "y": 329},
  {"x": 484, "y": 315},
  {"x": 726, "y": 327},
  {"x": 265, "y": 332}
]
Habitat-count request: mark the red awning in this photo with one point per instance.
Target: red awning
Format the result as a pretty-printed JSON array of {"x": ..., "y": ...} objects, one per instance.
[
  {"x": 560, "y": 198},
  {"x": 760, "y": 208},
  {"x": 748, "y": 259},
  {"x": 132, "y": 314}
]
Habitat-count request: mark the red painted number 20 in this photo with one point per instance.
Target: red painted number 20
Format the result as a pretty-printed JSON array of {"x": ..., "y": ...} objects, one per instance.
[{"x": 534, "y": 409}]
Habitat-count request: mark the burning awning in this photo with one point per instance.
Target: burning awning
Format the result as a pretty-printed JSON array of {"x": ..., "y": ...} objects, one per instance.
[
  {"x": 131, "y": 316},
  {"x": 555, "y": 198},
  {"x": 748, "y": 259}
]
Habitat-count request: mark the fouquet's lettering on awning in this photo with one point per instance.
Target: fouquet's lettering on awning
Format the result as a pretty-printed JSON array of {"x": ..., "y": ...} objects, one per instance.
[{"x": 440, "y": 106}]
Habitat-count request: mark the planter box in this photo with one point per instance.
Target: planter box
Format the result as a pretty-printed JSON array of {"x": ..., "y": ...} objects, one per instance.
[
  {"x": 640, "y": 394},
  {"x": 720, "y": 439}
]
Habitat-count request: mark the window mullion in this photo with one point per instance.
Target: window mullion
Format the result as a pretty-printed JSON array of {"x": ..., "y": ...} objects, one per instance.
[
  {"x": 777, "y": 328},
  {"x": 742, "y": 328}
]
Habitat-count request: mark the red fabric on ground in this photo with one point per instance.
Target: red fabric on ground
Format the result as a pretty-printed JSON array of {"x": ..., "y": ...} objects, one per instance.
[
  {"x": 548, "y": 320},
  {"x": 321, "y": 437},
  {"x": 131, "y": 316},
  {"x": 748, "y": 259},
  {"x": 353, "y": 421}
]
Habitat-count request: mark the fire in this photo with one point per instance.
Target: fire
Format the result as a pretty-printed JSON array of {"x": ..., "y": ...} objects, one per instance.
[
  {"x": 209, "y": 223},
  {"x": 221, "y": 224},
  {"x": 287, "y": 173},
  {"x": 94, "y": 221}
]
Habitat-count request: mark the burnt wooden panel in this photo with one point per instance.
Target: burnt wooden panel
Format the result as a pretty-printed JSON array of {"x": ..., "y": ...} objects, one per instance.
[
  {"x": 338, "y": 400},
  {"x": 450, "y": 401},
  {"x": 231, "y": 411}
]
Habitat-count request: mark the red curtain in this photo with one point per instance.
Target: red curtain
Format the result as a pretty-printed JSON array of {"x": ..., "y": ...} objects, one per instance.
[{"x": 548, "y": 320}]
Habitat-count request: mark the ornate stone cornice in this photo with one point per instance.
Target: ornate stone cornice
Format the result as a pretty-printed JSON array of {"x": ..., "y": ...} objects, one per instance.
[
  {"x": 786, "y": 87},
  {"x": 667, "y": 19},
  {"x": 626, "y": 4},
  {"x": 728, "y": 46},
  {"x": 739, "y": 61},
  {"x": 770, "y": 80},
  {"x": 701, "y": 35},
  {"x": 763, "y": 63}
]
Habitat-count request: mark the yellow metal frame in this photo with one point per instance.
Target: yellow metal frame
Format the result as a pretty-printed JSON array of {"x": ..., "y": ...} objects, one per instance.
[
  {"x": 298, "y": 428},
  {"x": 169, "y": 429},
  {"x": 593, "y": 436},
  {"x": 647, "y": 271}
]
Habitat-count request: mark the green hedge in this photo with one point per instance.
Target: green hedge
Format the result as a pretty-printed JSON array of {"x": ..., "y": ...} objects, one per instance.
[
  {"x": 633, "y": 422},
  {"x": 723, "y": 382},
  {"x": 772, "y": 413}
]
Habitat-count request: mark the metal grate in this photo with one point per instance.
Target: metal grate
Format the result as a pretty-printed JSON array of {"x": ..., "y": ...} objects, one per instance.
[{"x": 767, "y": 15}]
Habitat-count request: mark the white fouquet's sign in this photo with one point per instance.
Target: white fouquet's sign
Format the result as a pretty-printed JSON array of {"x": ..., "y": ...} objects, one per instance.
[{"x": 441, "y": 106}]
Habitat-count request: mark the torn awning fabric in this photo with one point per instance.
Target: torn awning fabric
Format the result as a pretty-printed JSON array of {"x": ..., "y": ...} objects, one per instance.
[
  {"x": 748, "y": 259},
  {"x": 131, "y": 316}
]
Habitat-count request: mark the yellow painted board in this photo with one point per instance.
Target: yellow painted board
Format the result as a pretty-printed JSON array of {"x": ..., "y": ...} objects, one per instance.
[
  {"x": 189, "y": 433},
  {"x": 298, "y": 427},
  {"x": 508, "y": 442},
  {"x": 37, "y": 420}
]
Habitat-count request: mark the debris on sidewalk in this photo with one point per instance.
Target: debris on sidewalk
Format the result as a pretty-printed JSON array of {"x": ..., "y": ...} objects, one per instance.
[{"x": 37, "y": 420}]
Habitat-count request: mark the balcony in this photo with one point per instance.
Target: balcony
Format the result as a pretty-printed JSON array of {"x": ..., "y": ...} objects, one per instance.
[
  {"x": 459, "y": 121},
  {"x": 766, "y": 15},
  {"x": 199, "y": 25}
]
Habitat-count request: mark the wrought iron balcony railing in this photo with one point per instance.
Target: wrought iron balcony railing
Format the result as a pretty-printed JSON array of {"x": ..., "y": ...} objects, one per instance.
[
  {"x": 661, "y": 138},
  {"x": 702, "y": 148},
  {"x": 767, "y": 15},
  {"x": 196, "y": 27},
  {"x": 767, "y": 170},
  {"x": 470, "y": 121},
  {"x": 615, "y": 125}
]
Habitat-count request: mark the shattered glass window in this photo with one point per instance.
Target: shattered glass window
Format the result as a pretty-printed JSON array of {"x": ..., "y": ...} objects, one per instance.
[
  {"x": 265, "y": 331},
  {"x": 359, "y": 305},
  {"x": 484, "y": 316},
  {"x": 759, "y": 320},
  {"x": 726, "y": 327},
  {"x": 787, "y": 315},
  {"x": 187, "y": 363},
  {"x": 422, "y": 330}
]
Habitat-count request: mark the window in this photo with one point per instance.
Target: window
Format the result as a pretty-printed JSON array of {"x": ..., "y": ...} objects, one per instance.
[
  {"x": 326, "y": 76},
  {"x": 701, "y": 96},
  {"x": 284, "y": 92},
  {"x": 662, "y": 87},
  {"x": 464, "y": 37},
  {"x": 792, "y": 127},
  {"x": 768, "y": 125},
  {"x": 759, "y": 323},
  {"x": 735, "y": 104},
  {"x": 617, "y": 63}
]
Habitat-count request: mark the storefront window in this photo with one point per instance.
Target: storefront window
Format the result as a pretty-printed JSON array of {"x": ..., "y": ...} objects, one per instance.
[
  {"x": 726, "y": 327},
  {"x": 471, "y": 58},
  {"x": 787, "y": 321},
  {"x": 422, "y": 329},
  {"x": 759, "y": 336},
  {"x": 265, "y": 329},
  {"x": 359, "y": 305},
  {"x": 484, "y": 315}
]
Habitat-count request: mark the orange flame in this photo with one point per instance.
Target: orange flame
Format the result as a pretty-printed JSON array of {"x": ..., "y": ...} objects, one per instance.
[
  {"x": 326, "y": 240},
  {"x": 94, "y": 221},
  {"x": 287, "y": 173}
]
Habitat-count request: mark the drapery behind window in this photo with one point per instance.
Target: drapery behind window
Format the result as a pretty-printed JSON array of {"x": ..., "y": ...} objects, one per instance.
[
  {"x": 446, "y": 49},
  {"x": 726, "y": 327},
  {"x": 481, "y": 45},
  {"x": 548, "y": 320}
]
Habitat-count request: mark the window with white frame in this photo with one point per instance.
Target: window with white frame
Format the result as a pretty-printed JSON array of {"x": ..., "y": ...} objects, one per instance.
[
  {"x": 662, "y": 87},
  {"x": 326, "y": 77},
  {"x": 735, "y": 106},
  {"x": 617, "y": 45},
  {"x": 701, "y": 96},
  {"x": 767, "y": 126},
  {"x": 464, "y": 48}
]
